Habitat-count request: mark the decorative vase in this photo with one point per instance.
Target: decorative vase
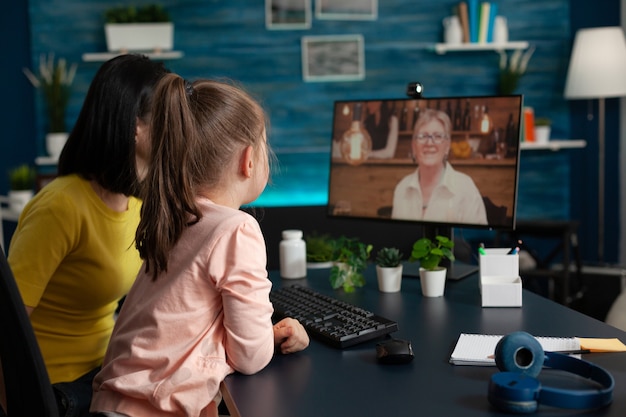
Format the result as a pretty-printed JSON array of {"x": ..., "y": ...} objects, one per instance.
[
  {"x": 433, "y": 281},
  {"x": 18, "y": 199},
  {"x": 389, "y": 278},
  {"x": 55, "y": 143}
]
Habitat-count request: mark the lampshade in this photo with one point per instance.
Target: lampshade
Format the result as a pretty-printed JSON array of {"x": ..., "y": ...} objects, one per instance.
[{"x": 597, "y": 67}]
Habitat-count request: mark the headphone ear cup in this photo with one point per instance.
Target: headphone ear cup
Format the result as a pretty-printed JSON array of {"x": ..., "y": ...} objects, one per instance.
[
  {"x": 519, "y": 352},
  {"x": 513, "y": 392}
]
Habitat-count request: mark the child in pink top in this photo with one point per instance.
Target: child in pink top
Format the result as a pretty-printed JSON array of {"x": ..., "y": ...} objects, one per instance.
[{"x": 199, "y": 309}]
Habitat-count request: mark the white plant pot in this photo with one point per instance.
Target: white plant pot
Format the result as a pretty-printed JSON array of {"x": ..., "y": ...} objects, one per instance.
[
  {"x": 542, "y": 134},
  {"x": 125, "y": 37},
  {"x": 389, "y": 278},
  {"x": 55, "y": 143},
  {"x": 18, "y": 199},
  {"x": 433, "y": 282}
]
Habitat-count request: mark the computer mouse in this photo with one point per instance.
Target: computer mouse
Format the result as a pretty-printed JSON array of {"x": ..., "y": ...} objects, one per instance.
[{"x": 394, "y": 351}]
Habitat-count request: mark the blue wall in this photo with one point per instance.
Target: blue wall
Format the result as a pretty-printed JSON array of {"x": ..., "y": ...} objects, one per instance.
[{"x": 229, "y": 39}]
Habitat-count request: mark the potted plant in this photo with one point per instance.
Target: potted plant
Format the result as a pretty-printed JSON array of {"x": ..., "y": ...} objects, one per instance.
[
  {"x": 55, "y": 80},
  {"x": 319, "y": 250},
  {"x": 389, "y": 269},
  {"x": 22, "y": 184},
  {"x": 543, "y": 126},
  {"x": 430, "y": 253},
  {"x": 146, "y": 28},
  {"x": 350, "y": 257}
]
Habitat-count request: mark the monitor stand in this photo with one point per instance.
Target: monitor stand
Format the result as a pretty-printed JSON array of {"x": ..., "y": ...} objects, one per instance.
[{"x": 455, "y": 270}]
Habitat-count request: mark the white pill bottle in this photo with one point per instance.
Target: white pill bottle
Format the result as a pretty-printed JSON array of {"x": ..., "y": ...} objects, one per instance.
[{"x": 292, "y": 253}]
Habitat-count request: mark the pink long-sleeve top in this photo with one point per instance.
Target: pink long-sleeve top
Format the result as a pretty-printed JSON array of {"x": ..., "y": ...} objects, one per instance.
[{"x": 178, "y": 337}]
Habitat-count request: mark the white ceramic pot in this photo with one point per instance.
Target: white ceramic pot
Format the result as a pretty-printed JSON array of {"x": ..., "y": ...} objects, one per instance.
[
  {"x": 18, "y": 199},
  {"x": 433, "y": 282},
  {"x": 542, "y": 134},
  {"x": 389, "y": 278},
  {"x": 55, "y": 143}
]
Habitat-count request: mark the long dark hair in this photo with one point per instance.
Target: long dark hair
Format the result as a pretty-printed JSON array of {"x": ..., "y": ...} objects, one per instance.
[
  {"x": 101, "y": 146},
  {"x": 196, "y": 132}
]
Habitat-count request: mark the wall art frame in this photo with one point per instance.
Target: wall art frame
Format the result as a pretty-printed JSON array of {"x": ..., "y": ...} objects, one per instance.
[
  {"x": 288, "y": 14},
  {"x": 333, "y": 58},
  {"x": 346, "y": 9}
]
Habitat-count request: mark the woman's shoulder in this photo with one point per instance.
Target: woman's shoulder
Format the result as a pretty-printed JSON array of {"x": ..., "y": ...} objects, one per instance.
[{"x": 62, "y": 191}]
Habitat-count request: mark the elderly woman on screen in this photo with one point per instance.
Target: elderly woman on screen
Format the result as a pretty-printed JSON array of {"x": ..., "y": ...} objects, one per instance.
[{"x": 435, "y": 191}]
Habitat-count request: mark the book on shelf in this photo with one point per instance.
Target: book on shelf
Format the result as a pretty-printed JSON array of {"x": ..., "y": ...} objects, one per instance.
[
  {"x": 478, "y": 18},
  {"x": 472, "y": 10},
  {"x": 464, "y": 19}
]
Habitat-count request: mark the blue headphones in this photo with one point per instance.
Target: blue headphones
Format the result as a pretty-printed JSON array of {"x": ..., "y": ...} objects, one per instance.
[{"x": 520, "y": 357}]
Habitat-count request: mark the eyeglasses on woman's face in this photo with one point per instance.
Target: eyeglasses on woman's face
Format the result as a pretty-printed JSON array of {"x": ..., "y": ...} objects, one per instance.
[{"x": 436, "y": 138}]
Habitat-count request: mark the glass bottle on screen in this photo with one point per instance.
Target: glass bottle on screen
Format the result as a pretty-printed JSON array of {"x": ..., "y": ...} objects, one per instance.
[
  {"x": 404, "y": 117},
  {"x": 485, "y": 121},
  {"x": 458, "y": 117},
  {"x": 356, "y": 142},
  {"x": 467, "y": 117}
]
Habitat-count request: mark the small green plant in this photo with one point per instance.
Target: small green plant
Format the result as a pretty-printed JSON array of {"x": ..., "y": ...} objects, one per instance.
[
  {"x": 430, "y": 253},
  {"x": 319, "y": 247},
  {"x": 388, "y": 257},
  {"x": 152, "y": 13},
  {"x": 350, "y": 256},
  {"x": 22, "y": 178},
  {"x": 543, "y": 121}
]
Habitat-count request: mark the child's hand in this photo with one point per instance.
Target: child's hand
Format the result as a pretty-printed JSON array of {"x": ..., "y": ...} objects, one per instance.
[{"x": 290, "y": 336}]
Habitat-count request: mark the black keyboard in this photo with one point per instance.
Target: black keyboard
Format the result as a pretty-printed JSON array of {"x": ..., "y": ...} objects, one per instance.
[{"x": 337, "y": 323}]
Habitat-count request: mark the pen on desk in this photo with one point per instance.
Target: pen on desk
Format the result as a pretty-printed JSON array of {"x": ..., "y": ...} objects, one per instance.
[
  {"x": 515, "y": 249},
  {"x": 481, "y": 249},
  {"x": 573, "y": 352},
  {"x": 563, "y": 352}
]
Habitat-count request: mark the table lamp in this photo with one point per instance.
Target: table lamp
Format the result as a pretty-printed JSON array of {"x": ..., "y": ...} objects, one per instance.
[{"x": 597, "y": 69}]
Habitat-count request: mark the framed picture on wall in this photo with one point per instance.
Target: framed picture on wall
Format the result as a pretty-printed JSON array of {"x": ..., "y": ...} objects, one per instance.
[
  {"x": 287, "y": 14},
  {"x": 346, "y": 9},
  {"x": 333, "y": 58}
]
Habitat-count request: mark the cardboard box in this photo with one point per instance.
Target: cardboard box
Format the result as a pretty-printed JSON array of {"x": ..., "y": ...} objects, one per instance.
[{"x": 500, "y": 283}]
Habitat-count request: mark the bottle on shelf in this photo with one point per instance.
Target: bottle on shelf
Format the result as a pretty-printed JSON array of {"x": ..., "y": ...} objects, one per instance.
[
  {"x": 458, "y": 116},
  {"x": 416, "y": 115},
  {"x": 511, "y": 136},
  {"x": 356, "y": 142},
  {"x": 475, "y": 119},
  {"x": 486, "y": 123},
  {"x": 467, "y": 117},
  {"x": 404, "y": 117}
]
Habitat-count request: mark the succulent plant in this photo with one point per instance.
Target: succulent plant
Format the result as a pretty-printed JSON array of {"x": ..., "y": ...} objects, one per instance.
[{"x": 388, "y": 257}]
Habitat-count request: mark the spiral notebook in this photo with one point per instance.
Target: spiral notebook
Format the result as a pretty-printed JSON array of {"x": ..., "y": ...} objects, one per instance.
[{"x": 478, "y": 349}]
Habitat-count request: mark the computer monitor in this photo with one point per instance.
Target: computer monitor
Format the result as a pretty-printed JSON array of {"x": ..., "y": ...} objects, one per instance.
[{"x": 435, "y": 162}]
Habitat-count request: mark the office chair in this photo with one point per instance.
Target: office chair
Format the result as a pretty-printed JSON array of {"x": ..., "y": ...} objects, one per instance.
[
  {"x": 4, "y": 202},
  {"x": 27, "y": 385}
]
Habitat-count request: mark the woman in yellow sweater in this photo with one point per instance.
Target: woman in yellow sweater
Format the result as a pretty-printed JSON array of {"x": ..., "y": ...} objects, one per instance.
[{"x": 73, "y": 252}]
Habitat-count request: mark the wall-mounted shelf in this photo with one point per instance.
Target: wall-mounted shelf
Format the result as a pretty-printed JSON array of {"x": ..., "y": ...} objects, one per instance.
[
  {"x": 46, "y": 160},
  {"x": 105, "y": 56},
  {"x": 442, "y": 48},
  {"x": 553, "y": 145}
]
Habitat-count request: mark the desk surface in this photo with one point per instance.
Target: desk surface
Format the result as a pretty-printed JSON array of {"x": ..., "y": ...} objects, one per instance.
[{"x": 322, "y": 381}]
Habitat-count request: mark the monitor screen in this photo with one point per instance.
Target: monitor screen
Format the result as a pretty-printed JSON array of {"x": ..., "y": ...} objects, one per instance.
[{"x": 448, "y": 161}]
